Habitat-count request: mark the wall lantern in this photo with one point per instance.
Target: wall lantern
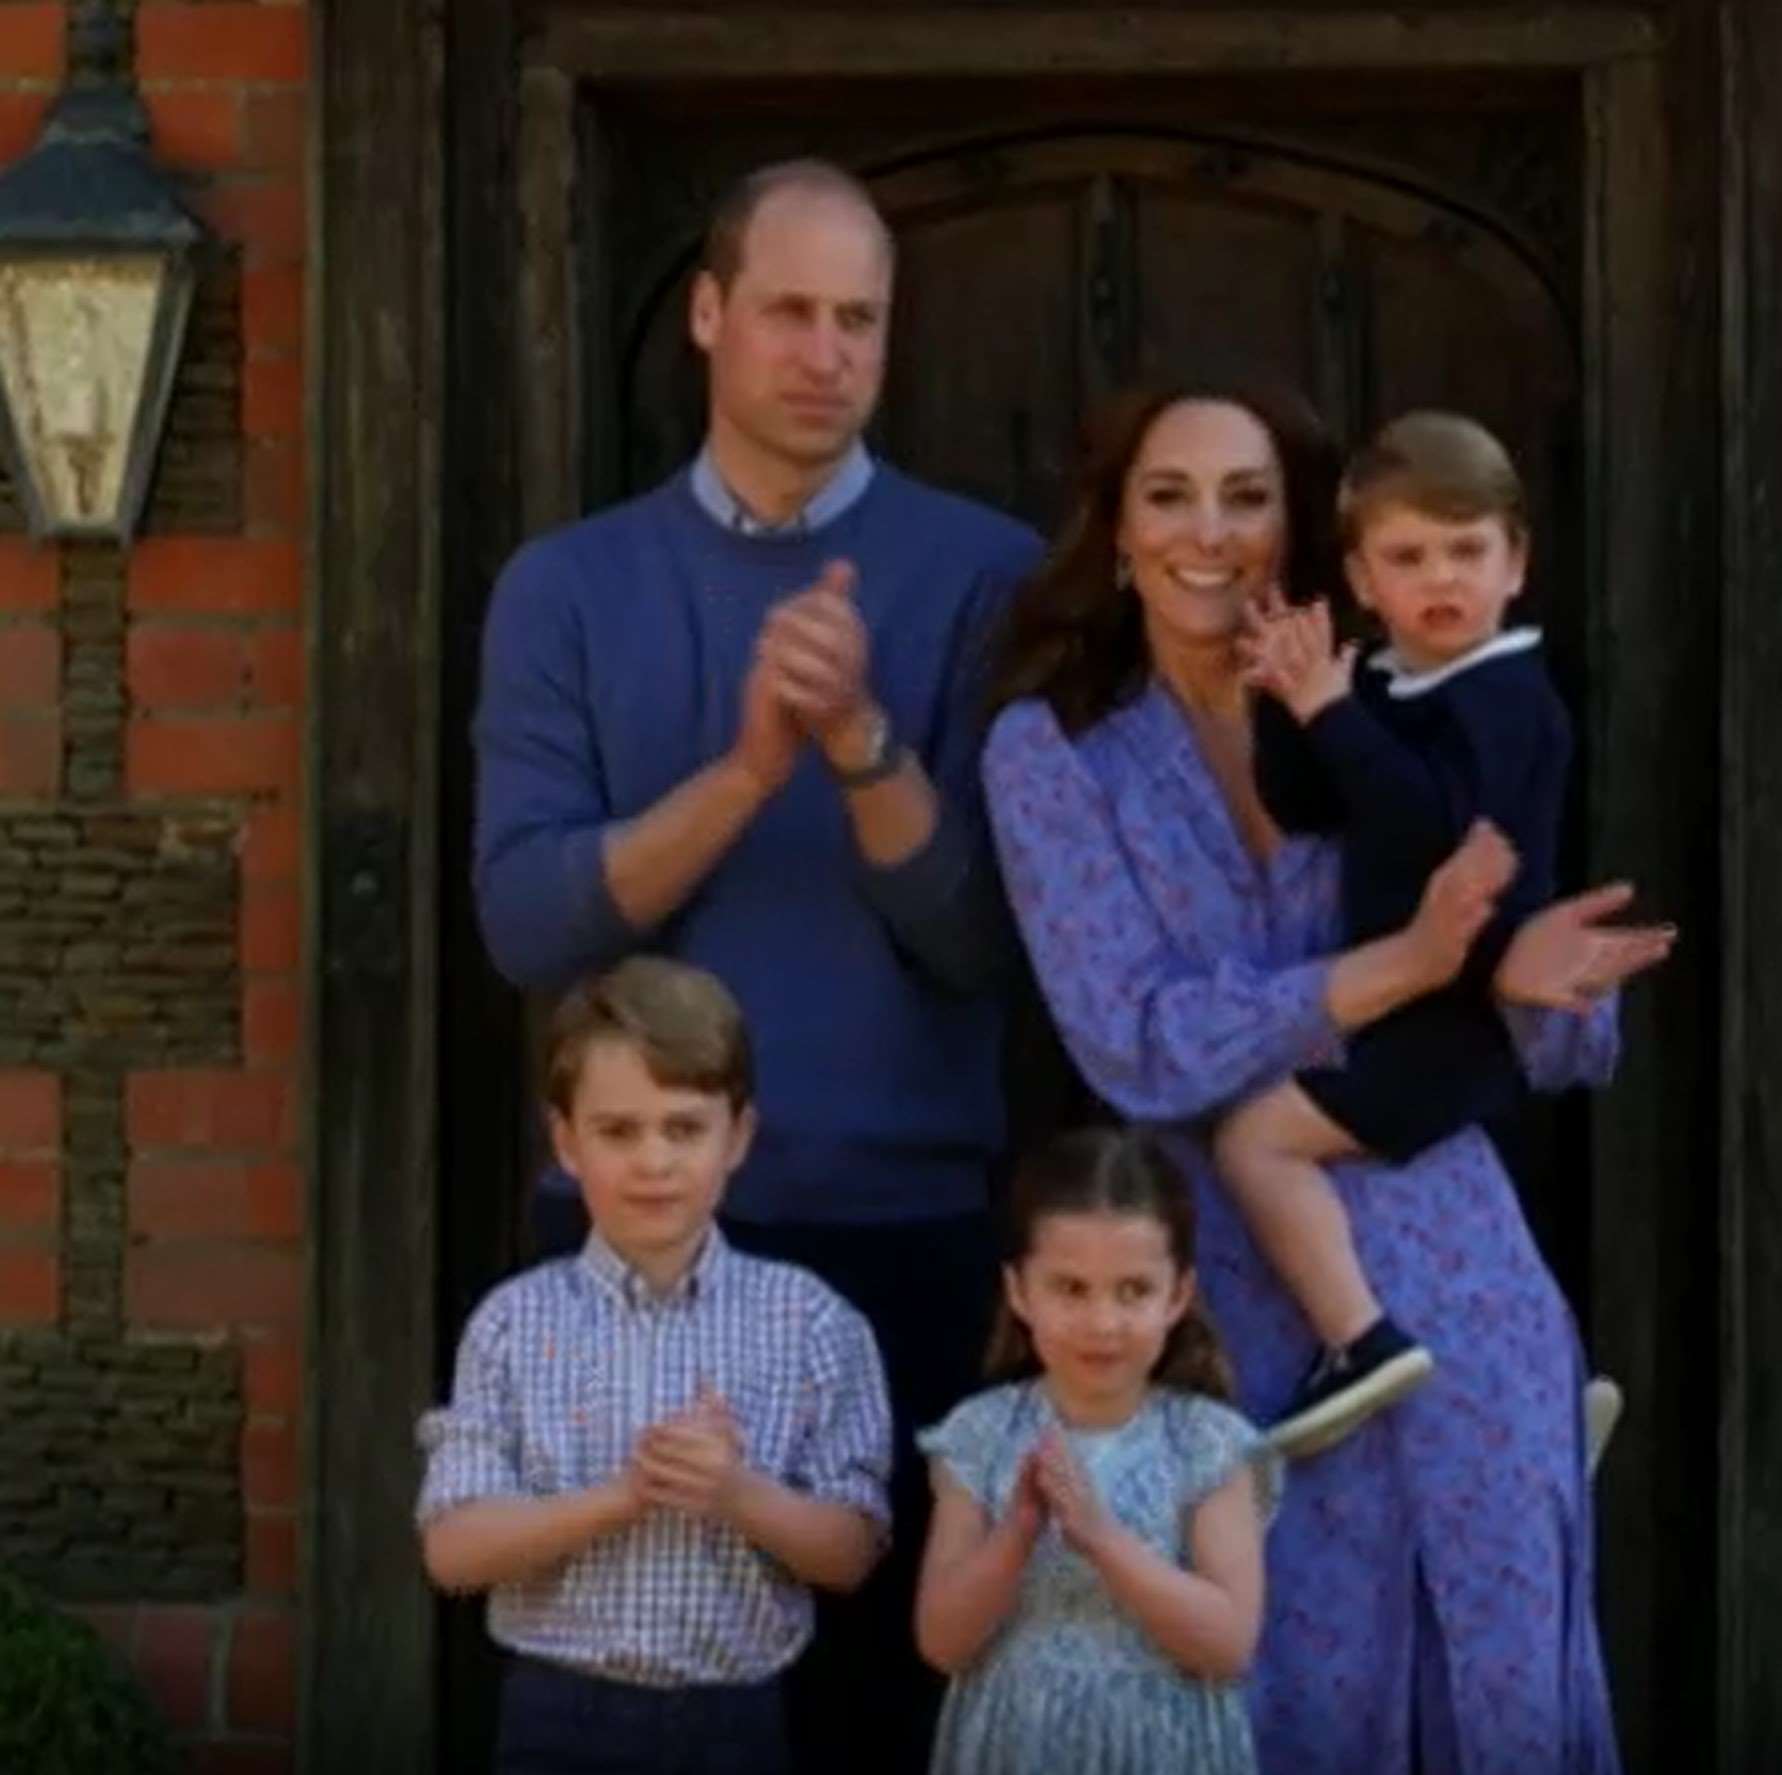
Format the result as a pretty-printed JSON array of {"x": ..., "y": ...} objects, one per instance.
[{"x": 96, "y": 275}]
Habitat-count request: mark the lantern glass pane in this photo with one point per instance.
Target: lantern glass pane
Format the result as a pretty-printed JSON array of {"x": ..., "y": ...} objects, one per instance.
[{"x": 75, "y": 334}]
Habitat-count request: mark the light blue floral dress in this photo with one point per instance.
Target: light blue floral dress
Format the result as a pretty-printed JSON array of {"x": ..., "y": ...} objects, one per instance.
[{"x": 1071, "y": 1682}]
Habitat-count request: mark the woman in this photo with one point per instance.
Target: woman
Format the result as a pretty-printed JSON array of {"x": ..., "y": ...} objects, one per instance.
[{"x": 1430, "y": 1602}]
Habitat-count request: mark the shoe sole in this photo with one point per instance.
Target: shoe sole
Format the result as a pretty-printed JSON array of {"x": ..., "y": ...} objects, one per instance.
[
  {"x": 1313, "y": 1431},
  {"x": 1602, "y": 1412}
]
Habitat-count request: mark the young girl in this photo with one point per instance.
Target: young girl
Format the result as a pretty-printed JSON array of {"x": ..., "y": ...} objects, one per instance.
[{"x": 1093, "y": 1574}]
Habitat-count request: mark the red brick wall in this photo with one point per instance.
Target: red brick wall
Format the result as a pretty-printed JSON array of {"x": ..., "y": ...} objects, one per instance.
[{"x": 213, "y": 671}]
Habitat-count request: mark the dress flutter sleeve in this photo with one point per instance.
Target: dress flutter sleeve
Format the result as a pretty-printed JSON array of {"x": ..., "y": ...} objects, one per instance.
[{"x": 1161, "y": 1035}]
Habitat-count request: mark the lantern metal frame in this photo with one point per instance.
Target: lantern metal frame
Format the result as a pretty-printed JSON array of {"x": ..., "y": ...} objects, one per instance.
[{"x": 88, "y": 189}]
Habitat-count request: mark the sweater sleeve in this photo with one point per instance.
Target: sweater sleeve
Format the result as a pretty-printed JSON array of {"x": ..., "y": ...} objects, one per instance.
[
  {"x": 1290, "y": 777},
  {"x": 944, "y": 904},
  {"x": 1162, "y": 1036},
  {"x": 541, "y": 801}
]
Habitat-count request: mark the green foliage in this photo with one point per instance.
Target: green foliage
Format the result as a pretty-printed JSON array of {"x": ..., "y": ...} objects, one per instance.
[{"x": 67, "y": 1707}]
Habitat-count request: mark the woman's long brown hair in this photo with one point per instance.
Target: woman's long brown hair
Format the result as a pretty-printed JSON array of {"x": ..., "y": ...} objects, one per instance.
[
  {"x": 1072, "y": 636},
  {"x": 1104, "y": 1170}
]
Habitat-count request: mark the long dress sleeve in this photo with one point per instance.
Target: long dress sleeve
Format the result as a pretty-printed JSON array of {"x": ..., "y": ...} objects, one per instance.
[
  {"x": 1161, "y": 1034},
  {"x": 541, "y": 803}
]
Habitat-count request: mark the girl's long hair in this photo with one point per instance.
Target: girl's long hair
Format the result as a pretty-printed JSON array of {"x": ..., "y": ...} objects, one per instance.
[
  {"x": 1074, "y": 638},
  {"x": 1103, "y": 1170}
]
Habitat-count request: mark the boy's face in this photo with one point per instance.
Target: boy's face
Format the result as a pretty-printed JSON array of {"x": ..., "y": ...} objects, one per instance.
[
  {"x": 652, "y": 1159},
  {"x": 1440, "y": 585}
]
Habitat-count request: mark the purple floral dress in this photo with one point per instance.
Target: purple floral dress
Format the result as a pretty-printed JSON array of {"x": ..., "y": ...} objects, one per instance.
[{"x": 1430, "y": 1602}]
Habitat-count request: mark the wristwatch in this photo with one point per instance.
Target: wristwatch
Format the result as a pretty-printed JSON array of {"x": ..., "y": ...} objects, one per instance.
[{"x": 881, "y": 757}]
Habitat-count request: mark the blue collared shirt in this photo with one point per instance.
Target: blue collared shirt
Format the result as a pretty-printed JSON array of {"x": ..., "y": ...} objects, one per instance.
[
  {"x": 561, "y": 1369},
  {"x": 843, "y": 489}
]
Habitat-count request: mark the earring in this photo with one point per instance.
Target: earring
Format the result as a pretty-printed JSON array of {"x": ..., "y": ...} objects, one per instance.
[{"x": 1122, "y": 573}]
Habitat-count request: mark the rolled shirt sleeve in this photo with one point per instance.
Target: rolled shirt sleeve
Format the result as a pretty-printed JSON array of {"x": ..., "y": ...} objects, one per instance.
[
  {"x": 472, "y": 1445},
  {"x": 844, "y": 1455}
]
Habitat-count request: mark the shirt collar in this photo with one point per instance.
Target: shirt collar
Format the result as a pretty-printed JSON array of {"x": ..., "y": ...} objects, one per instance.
[
  {"x": 843, "y": 489},
  {"x": 1404, "y": 682},
  {"x": 613, "y": 1273}
]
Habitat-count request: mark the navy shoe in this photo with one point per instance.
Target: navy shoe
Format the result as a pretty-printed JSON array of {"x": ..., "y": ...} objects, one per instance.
[{"x": 1344, "y": 1388}]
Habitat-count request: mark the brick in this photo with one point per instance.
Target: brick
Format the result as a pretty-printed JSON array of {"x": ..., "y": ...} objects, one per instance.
[
  {"x": 30, "y": 754},
  {"x": 240, "y": 1757},
  {"x": 270, "y": 1553},
  {"x": 275, "y": 130},
  {"x": 199, "y": 1108},
  {"x": 214, "y": 1200},
  {"x": 30, "y": 1112},
  {"x": 272, "y": 398},
  {"x": 268, "y": 218},
  {"x": 198, "y": 130},
  {"x": 21, "y": 116},
  {"x": 30, "y": 575},
  {"x": 272, "y": 1376},
  {"x": 30, "y": 663},
  {"x": 220, "y": 41},
  {"x": 273, "y": 489},
  {"x": 272, "y": 299},
  {"x": 211, "y": 755},
  {"x": 271, "y": 928},
  {"x": 30, "y": 1285},
  {"x": 174, "y": 1649},
  {"x": 215, "y": 576},
  {"x": 114, "y": 1623},
  {"x": 271, "y": 844},
  {"x": 271, "y": 1019},
  {"x": 275, "y": 667},
  {"x": 30, "y": 1196},
  {"x": 269, "y": 1464},
  {"x": 263, "y": 1673},
  {"x": 179, "y": 667},
  {"x": 31, "y": 42},
  {"x": 199, "y": 1285}
]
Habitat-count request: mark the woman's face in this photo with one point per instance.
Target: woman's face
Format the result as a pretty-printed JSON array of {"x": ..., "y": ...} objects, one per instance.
[{"x": 1203, "y": 520}]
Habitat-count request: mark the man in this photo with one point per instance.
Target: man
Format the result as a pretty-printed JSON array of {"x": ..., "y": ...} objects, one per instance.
[{"x": 737, "y": 720}]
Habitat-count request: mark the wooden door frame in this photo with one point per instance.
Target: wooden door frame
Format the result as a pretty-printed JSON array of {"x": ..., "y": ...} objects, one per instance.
[{"x": 446, "y": 355}]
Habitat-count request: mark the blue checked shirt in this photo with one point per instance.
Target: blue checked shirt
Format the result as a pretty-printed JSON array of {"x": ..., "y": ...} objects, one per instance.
[{"x": 559, "y": 1372}]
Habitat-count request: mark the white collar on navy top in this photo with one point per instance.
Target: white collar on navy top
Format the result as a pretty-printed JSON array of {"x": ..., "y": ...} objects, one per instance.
[
  {"x": 853, "y": 475},
  {"x": 1405, "y": 682},
  {"x": 608, "y": 1267}
]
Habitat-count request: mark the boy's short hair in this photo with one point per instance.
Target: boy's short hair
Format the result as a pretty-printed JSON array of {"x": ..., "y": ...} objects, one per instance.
[
  {"x": 682, "y": 1021},
  {"x": 1443, "y": 465}
]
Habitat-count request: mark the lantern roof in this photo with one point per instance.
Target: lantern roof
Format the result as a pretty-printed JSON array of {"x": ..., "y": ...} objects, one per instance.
[{"x": 88, "y": 180}]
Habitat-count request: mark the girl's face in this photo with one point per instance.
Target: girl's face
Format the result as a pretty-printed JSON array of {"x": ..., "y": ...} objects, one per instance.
[
  {"x": 1099, "y": 1293},
  {"x": 1203, "y": 521}
]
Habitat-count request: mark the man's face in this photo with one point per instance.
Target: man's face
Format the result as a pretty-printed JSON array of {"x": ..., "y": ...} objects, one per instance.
[{"x": 796, "y": 347}]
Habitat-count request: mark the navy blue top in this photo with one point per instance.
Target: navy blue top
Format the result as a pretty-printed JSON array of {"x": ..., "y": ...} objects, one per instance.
[
  {"x": 1402, "y": 766},
  {"x": 613, "y": 663}
]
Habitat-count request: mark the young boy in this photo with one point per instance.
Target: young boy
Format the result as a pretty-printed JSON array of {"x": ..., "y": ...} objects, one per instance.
[
  {"x": 1453, "y": 722},
  {"x": 654, "y": 1448}
]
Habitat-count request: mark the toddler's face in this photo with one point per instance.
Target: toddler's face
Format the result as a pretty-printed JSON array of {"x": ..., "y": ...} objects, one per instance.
[
  {"x": 1099, "y": 1294},
  {"x": 1440, "y": 585},
  {"x": 652, "y": 1159}
]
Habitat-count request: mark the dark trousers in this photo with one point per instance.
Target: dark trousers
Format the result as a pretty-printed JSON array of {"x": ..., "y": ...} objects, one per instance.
[
  {"x": 559, "y": 1722},
  {"x": 860, "y": 1701}
]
